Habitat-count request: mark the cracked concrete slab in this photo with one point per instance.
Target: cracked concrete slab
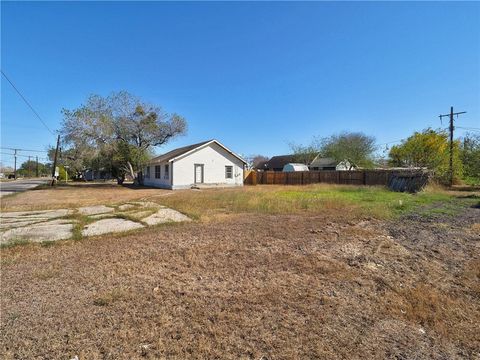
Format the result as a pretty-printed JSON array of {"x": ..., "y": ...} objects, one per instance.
[
  {"x": 106, "y": 226},
  {"x": 150, "y": 204},
  {"x": 15, "y": 224},
  {"x": 49, "y": 231},
  {"x": 165, "y": 215},
  {"x": 127, "y": 207},
  {"x": 27, "y": 215},
  {"x": 96, "y": 209},
  {"x": 49, "y": 225}
]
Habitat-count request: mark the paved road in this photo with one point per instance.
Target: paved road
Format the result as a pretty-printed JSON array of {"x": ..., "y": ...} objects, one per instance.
[{"x": 11, "y": 187}]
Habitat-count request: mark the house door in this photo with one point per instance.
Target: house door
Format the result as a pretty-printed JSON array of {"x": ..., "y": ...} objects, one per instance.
[{"x": 198, "y": 173}]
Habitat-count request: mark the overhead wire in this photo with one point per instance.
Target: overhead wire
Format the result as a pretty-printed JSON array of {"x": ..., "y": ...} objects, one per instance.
[{"x": 28, "y": 103}]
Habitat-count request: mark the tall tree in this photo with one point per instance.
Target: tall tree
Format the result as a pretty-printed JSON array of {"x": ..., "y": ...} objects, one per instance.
[
  {"x": 430, "y": 149},
  {"x": 121, "y": 128},
  {"x": 305, "y": 154},
  {"x": 356, "y": 147},
  {"x": 470, "y": 156},
  {"x": 256, "y": 161}
]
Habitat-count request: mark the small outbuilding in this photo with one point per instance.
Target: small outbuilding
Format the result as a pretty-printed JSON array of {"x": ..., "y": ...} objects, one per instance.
[
  {"x": 208, "y": 163},
  {"x": 291, "y": 167}
]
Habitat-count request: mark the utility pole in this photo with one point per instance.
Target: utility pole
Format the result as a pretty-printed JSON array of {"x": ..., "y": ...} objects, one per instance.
[
  {"x": 55, "y": 160},
  {"x": 451, "y": 128},
  {"x": 29, "y": 167},
  {"x": 36, "y": 166},
  {"x": 15, "y": 165}
]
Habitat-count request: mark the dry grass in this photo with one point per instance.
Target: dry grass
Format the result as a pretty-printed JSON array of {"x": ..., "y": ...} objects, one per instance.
[
  {"x": 353, "y": 201},
  {"x": 278, "y": 286},
  {"x": 75, "y": 195}
]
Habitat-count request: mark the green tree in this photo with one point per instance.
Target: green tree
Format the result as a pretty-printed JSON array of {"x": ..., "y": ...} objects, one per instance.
[
  {"x": 429, "y": 148},
  {"x": 356, "y": 147},
  {"x": 119, "y": 131},
  {"x": 470, "y": 156},
  {"x": 29, "y": 168}
]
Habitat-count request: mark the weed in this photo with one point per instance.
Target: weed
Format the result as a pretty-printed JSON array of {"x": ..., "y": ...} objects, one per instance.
[
  {"x": 110, "y": 297},
  {"x": 14, "y": 242}
]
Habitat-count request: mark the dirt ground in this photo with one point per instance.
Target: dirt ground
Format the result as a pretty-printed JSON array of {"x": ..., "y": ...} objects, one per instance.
[{"x": 252, "y": 286}]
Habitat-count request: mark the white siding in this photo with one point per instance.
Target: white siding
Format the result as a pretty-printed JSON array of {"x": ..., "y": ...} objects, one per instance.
[
  {"x": 214, "y": 159},
  {"x": 162, "y": 182}
]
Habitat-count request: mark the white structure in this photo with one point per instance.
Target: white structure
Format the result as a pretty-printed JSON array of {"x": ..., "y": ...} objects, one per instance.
[
  {"x": 290, "y": 167},
  {"x": 320, "y": 163},
  {"x": 205, "y": 164}
]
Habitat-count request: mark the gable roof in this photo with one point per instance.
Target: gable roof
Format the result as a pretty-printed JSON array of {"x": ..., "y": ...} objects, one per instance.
[
  {"x": 278, "y": 162},
  {"x": 319, "y": 162},
  {"x": 175, "y": 153}
]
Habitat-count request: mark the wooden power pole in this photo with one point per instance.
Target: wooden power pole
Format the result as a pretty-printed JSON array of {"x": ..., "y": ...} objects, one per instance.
[
  {"x": 451, "y": 128},
  {"x": 55, "y": 160},
  {"x": 36, "y": 166},
  {"x": 15, "y": 165}
]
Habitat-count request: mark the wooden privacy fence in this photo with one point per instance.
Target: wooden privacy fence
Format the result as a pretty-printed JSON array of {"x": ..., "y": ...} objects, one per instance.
[{"x": 355, "y": 177}]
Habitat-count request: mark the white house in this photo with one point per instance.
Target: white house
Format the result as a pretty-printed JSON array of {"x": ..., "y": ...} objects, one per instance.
[{"x": 208, "y": 163}]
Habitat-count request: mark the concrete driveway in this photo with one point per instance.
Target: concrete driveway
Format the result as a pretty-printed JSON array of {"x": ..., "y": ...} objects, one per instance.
[{"x": 15, "y": 186}]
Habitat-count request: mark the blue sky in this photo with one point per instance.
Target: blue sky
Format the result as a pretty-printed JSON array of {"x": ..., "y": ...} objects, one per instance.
[{"x": 255, "y": 76}]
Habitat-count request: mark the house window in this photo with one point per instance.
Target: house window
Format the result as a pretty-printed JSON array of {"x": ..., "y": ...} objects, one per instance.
[
  {"x": 147, "y": 173},
  {"x": 228, "y": 172},
  {"x": 166, "y": 173},
  {"x": 157, "y": 171}
]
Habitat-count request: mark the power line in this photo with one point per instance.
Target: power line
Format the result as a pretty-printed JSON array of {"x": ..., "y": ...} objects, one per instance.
[
  {"x": 468, "y": 128},
  {"x": 39, "y": 151},
  {"x": 391, "y": 142},
  {"x": 26, "y": 102},
  {"x": 25, "y": 156}
]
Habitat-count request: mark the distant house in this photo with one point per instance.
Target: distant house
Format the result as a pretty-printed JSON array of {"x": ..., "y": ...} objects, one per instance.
[
  {"x": 90, "y": 175},
  {"x": 291, "y": 167},
  {"x": 208, "y": 163},
  {"x": 276, "y": 163},
  {"x": 320, "y": 163}
]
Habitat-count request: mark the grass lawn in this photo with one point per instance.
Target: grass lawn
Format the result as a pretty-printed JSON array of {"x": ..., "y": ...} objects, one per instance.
[{"x": 372, "y": 201}]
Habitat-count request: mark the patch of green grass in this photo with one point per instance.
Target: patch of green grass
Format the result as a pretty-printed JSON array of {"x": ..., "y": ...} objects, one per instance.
[
  {"x": 79, "y": 222},
  {"x": 472, "y": 181},
  {"x": 363, "y": 200},
  {"x": 15, "y": 242}
]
